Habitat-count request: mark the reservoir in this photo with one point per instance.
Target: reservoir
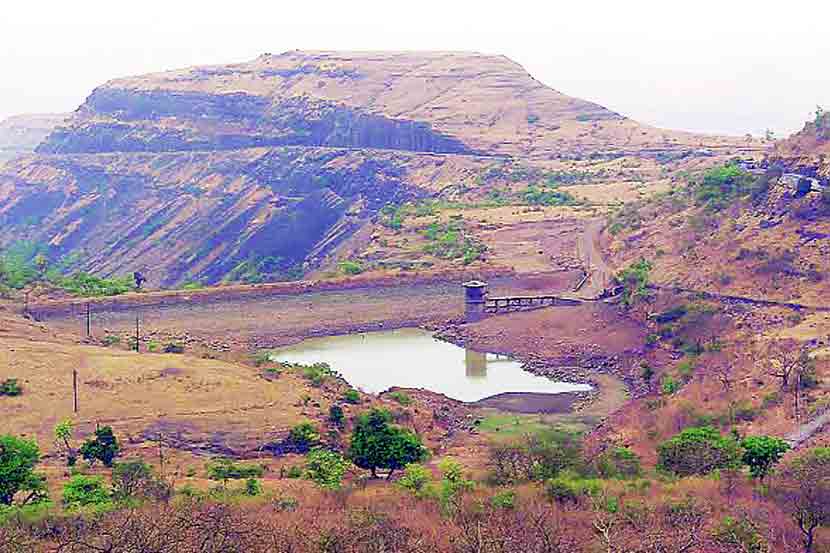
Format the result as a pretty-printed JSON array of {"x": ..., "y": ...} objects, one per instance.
[{"x": 412, "y": 358}]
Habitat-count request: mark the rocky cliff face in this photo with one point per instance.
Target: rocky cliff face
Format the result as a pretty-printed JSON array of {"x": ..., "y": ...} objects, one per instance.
[{"x": 259, "y": 169}]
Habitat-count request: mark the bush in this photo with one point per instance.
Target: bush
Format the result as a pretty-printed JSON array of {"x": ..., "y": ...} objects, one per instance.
[
  {"x": 336, "y": 416},
  {"x": 85, "y": 491},
  {"x": 504, "y": 500},
  {"x": 351, "y": 396},
  {"x": 303, "y": 436},
  {"x": 416, "y": 478},
  {"x": 104, "y": 447},
  {"x": 401, "y": 397},
  {"x": 698, "y": 450},
  {"x": 350, "y": 267},
  {"x": 568, "y": 488},
  {"x": 10, "y": 387},
  {"x": 111, "y": 339},
  {"x": 325, "y": 468},
  {"x": 619, "y": 462},
  {"x": 634, "y": 279},
  {"x": 226, "y": 469},
  {"x": 134, "y": 478},
  {"x": 669, "y": 386},
  {"x": 253, "y": 487},
  {"x": 87, "y": 285},
  {"x": 317, "y": 373},
  {"x": 173, "y": 347}
]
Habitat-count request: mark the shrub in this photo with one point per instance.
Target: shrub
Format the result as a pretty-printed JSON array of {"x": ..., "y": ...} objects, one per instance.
[
  {"x": 18, "y": 458},
  {"x": 303, "y": 436},
  {"x": 325, "y": 468},
  {"x": 87, "y": 285},
  {"x": 317, "y": 373},
  {"x": 294, "y": 471},
  {"x": 226, "y": 469},
  {"x": 634, "y": 279},
  {"x": 85, "y": 491},
  {"x": 111, "y": 339},
  {"x": 104, "y": 447},
  {"x": 504, "y": 500},
  {"x": 350, "y": 267},
  {"x": 351, "y": 396},
  {"x": 401, "y": 397},
  {"x": 172, "y": 347},
  {"x": 253, "y": 487},
  {"x": 336, "y": 416},
  {"x": 619, "y": 462},
  {"x": 134, "y": 478},
  {"x": 698, "y": 450},
  {"x": 669, "y": 386},
  {"x": 453, "y": 484},
  {"x": 10, "y": 387},
  {"x": 416, "y": 478},
  {"x": 568, "y": 488}
]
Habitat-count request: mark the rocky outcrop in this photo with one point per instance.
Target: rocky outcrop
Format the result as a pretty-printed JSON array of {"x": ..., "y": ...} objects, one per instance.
[
  {"x": 245, "y": 215},
  {"x": 115, "y": 120}
]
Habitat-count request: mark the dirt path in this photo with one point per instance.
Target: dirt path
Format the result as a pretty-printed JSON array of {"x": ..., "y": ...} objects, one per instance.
[
  {"x": 807, "y": 430},
  {"x": 599, "y": 274}
]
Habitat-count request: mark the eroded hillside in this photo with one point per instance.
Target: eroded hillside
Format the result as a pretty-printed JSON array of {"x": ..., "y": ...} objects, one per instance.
[{"x": 262, "y": 170}]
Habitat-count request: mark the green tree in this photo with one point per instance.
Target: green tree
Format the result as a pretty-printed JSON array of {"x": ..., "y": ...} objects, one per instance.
[
  {"x": 18, "y": 458},
  {"x": 698, "y": 450},
  {"x": 378, "y": 444},
  {"x": 761, "y": 453},
  {"x": 63, "y": 436},
  {"x": 83, "y": 491},
  {"x": 104, "y": 447},
  {"x": 634, "y": 280},
  {"x": 134, "y": 478},
  {"x": 304, "y": 436},
  {"x": 325, "y": 468}
]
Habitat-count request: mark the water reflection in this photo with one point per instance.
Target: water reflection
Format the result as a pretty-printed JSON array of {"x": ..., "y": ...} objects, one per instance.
[
  {"x": 412, "y": 358},
  {"x": 476, "y": 363}
]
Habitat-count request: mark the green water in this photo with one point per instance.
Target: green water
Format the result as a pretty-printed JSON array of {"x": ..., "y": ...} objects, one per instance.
[{"x": 412, "y": 358}]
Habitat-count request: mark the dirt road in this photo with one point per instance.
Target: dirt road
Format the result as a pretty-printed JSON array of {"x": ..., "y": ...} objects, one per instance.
[{"x": 599, "y": 274}]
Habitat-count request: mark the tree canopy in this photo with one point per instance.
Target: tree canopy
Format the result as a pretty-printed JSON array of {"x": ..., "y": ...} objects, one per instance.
[
  {"x": 377, "y": 444},
  {"x": 18, "y": 458}
]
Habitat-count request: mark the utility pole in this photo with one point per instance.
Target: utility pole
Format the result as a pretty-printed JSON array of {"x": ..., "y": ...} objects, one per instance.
[
  {"x": 137, "y": 335},
  {"x": 75, "y": 388},
  {"x": 88, "y": 322}
]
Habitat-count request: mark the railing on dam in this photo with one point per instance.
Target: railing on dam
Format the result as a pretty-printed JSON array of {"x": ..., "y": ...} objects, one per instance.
[{"x": 507, "y": 304}]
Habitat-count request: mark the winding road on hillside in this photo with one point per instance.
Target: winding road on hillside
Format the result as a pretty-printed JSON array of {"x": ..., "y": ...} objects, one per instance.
[{"x": 599, "y": 276}]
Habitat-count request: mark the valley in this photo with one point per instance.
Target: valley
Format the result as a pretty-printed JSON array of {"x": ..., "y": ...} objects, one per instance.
[{"x": 305, "y": 223}]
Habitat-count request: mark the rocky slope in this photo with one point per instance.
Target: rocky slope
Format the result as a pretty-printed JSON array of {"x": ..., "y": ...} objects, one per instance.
[
  {"x": 260, "y": 169},
  {"x": 21, "y": 134}
]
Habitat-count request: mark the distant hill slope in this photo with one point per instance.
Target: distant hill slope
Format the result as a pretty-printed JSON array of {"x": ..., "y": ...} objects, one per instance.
[
  {"x": 429, "y": 102},
  {"x": 260, "y": 169},
  {"x": 21, "y": 134}
]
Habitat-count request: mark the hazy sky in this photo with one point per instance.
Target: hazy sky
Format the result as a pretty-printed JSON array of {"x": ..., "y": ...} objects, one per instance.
[{"x": 731, "y": 66}]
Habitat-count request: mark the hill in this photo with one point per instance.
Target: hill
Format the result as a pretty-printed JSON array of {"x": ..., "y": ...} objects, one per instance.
[{"x": 260, "y": 170}]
